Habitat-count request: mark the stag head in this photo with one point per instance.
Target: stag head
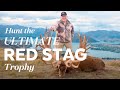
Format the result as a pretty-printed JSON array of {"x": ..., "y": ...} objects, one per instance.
[{"x": 62, "y": 65}]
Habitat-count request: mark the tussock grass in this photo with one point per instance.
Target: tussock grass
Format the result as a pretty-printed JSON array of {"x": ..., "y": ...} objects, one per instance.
[
  {"x": 43, "y": 71},
  {"x": 115, "y": 63}
]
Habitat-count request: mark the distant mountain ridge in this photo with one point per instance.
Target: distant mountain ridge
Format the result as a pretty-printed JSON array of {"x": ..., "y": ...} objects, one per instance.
[
  {"x": 38, "y": 31},
  {"x": 104, "y": 35},
  {"x": 92, "y": 36}
]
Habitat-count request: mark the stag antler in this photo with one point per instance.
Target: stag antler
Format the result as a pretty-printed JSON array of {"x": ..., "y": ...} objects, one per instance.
[
  {"x": 62, "y": 65},
  {"x": 83, "y": 44}
]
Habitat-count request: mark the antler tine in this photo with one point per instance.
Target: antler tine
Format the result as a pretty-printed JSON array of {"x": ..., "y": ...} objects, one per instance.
[
  {"x": 84, "y": 42},
  {"x": 40, "y": 36},
  {"x": 81, "y": 42},
  {"x": 78, "y": 34},
  {"x": 88, "y": 44},
  {"x": 88, "y": 47},
  {"x": 45, "y": 32}
]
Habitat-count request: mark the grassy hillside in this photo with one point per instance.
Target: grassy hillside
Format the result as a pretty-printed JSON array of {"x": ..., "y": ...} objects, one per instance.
[{"x": 42, "y": 71}]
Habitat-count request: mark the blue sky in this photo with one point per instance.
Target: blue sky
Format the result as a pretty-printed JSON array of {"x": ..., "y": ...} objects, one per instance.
[{"x": 82, "y": 20}]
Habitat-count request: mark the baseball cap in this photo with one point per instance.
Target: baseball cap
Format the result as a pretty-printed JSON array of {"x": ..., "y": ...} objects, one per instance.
[{"x": 63, "y": 13}]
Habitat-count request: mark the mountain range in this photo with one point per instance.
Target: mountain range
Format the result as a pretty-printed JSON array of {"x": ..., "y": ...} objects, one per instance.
[
  {"x": 104, "y": 35},
  {"x": 92, "y": 36}
]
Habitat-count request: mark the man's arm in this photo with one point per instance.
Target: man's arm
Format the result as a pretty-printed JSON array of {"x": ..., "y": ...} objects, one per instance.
[{"x": 53, "y": 28}]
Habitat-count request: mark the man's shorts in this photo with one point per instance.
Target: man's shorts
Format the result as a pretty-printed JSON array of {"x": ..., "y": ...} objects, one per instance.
[{"x": 61, "y": 45}]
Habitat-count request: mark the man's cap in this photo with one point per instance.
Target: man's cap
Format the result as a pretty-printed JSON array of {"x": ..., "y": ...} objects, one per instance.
[{"x": 63, "y": 14}]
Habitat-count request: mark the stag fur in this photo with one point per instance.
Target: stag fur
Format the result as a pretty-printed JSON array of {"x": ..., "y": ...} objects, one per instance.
[{"x": 62, "y": 66}]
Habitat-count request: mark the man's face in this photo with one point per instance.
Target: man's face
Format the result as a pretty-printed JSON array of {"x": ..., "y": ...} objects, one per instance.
[{"x": 64, "y": 18}]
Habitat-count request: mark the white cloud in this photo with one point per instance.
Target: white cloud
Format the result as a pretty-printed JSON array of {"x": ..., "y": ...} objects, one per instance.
[
  {"x": 46, "y": 22},
  {"x": 83, "y": 20},
  {"x": 12, "y": 21},
  {"x": 29, "y": 14}
]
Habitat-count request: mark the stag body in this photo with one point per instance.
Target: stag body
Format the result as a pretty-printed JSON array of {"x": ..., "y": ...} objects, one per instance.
[
  {"x": 69, "y": 62},
  {"x": 90, "y": 64}
]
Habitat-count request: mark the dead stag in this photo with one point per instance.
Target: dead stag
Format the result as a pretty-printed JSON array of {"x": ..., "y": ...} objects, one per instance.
[{"x": 62, "y": 65}]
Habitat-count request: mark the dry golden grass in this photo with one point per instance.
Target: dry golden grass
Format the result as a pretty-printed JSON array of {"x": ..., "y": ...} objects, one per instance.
[{"x": 43, "y": 71}]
